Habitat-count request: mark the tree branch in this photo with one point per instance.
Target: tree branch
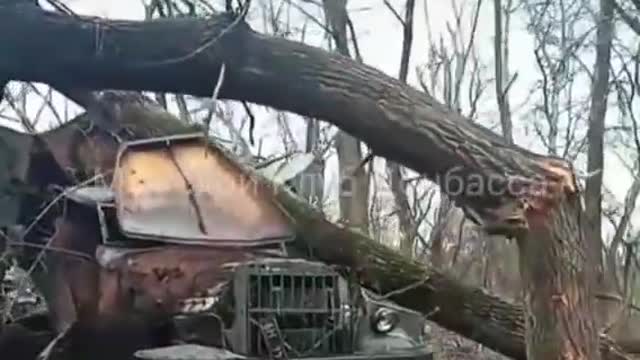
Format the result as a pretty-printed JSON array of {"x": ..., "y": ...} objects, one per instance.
[{"x": 629, "y": 19}]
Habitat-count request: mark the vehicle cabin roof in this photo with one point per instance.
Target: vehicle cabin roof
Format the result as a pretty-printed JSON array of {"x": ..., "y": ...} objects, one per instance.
[{"x": 185, "y": 189}]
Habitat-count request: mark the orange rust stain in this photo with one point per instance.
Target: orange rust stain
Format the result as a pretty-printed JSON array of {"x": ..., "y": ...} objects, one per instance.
[{"x": 158, "y": 279}]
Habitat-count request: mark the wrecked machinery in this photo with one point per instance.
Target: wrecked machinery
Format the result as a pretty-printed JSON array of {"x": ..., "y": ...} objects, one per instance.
[{"x": 188, "y": 235}]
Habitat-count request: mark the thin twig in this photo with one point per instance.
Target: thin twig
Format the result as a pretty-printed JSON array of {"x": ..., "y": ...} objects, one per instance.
[
  {"x": 394, "y": 12},
  {"x": 53, "y": 249},
  {"x": 252, "y": 122},
  {"x": 45, "y": 354},
  {"x": 310, "y": 17},
  {"x": 61, "y": 7},
  {"x": 405, "y": 288},
  {"x": 214, "y": 97},
  {"x": 199, "y": 49}
]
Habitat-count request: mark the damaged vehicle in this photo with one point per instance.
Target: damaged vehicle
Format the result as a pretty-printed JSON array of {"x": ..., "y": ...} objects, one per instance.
[{"x": 188, "y": 234}]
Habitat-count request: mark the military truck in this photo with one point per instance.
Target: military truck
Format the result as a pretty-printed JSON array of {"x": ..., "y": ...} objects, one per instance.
[{"x": 187, "y": 233}]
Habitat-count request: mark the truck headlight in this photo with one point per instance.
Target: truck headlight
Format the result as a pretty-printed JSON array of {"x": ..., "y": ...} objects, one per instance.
[{"x": 384, "y": 320}]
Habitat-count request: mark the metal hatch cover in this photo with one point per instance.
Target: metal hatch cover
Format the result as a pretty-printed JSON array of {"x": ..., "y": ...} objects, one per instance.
[{"x": 182, "y": 189}]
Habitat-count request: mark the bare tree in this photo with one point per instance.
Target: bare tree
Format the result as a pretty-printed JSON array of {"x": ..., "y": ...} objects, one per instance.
[
  {"x": 503, "y": 79},
  {"x": 407, "y": 220},
  {"x": 353, "y": 177},
  {"x": 595, "y": 136},
  {"x": 445, "y": 75},
  {"x": 558, "y": 115}
]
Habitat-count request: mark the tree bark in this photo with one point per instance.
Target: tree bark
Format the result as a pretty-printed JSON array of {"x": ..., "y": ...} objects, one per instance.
[
  {"x": 558, "y": 281},
  {"x": 507, "y": 189}
]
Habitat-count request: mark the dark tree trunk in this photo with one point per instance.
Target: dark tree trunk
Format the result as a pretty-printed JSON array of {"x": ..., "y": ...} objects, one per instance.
[
  {"x": 406, "y": 219},
  {"x": 507, "y": 189},
  {"x": 353, "y": 190},
  {"x": 595, "y": 137}
]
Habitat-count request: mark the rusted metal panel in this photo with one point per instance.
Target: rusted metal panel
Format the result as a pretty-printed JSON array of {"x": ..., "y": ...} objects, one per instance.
[
  {"x": 180, "y": 189},
  {"x": 71, "y": 283},
  {"x": 158, "y": 280}
]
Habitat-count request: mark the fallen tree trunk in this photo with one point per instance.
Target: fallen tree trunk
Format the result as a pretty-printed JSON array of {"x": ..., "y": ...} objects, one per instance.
[
  {"x": 507, "y": 189},
  {"x": 287, "y": 75}
]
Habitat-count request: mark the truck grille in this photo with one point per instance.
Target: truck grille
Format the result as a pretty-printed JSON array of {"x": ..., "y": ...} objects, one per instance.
[{"x": 310, "y": 305}]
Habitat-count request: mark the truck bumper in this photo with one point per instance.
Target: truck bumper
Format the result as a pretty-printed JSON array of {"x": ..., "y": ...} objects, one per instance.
[
  {"x": 195, "y": 352},
  {"x": 392, "y": 356}
]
